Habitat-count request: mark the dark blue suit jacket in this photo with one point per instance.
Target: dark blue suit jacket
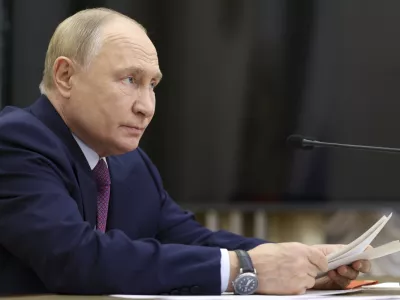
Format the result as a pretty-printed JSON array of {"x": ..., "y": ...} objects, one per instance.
[{"x": 48, "y": 214}]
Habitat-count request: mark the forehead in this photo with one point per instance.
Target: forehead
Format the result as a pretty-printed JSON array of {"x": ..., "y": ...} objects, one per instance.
[{"x": 126, "y": 44}]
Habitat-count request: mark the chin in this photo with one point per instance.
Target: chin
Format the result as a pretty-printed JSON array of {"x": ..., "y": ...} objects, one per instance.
[
  {"x": 127, "y": 147},
  {"x": 122, "y": 144}
]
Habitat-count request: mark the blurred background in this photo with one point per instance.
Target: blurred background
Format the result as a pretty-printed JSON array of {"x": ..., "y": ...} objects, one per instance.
[{"x": 239, "y": 77}]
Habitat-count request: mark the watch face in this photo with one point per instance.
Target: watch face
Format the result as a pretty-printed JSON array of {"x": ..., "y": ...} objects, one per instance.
[{"x": 246, "y": 284}]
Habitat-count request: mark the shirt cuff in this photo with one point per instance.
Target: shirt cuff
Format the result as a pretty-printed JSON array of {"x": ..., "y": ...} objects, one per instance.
[{"x": 225, "y": 269}]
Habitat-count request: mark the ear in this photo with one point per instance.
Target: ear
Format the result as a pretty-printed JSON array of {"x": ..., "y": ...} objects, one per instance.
[{"x": 63, "y": 70}]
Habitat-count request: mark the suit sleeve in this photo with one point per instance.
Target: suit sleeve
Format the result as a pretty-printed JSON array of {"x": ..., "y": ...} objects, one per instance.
[
  {"x": 40, "y": 225},
  {"x": 179, "y": 226}
]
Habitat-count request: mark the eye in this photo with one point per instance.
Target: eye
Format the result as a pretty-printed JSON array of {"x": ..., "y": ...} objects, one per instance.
[
  {"x": 153, "y": 85},
  {"x": 129, "y": 80}
]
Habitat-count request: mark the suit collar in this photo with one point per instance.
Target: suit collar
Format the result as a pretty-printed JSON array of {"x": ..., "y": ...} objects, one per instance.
[{"x": 45, "y": 112}]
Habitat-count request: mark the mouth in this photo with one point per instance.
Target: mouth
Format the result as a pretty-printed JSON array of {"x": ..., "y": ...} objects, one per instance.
[{"x": 134, "y": 130}]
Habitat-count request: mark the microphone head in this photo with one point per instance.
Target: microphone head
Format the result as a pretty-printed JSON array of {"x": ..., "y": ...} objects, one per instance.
[{"x": 297, "y": 141}]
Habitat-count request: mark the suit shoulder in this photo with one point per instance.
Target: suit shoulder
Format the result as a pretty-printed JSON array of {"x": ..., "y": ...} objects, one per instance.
[
  {"x": 14, "y": 118},
  {"x": 21, "y": 128}
]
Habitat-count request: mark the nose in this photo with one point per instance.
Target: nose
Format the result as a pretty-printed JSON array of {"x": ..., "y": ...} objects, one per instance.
[{"x": 145, "y": 103}]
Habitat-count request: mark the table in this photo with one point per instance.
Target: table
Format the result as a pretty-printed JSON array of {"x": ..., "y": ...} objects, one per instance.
[
  {"x": 68, "y": 297},
  {"x": 62, "y": 297}
]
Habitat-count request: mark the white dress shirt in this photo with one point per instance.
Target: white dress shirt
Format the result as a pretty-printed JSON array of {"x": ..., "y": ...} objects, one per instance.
[{"x": 93, "y": 158}]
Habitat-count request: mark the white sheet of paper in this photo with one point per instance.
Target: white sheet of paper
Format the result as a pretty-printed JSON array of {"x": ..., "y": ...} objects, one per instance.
[
  {"x": 388, "y": 297},
  {"x": 385, "y": 286},
  {"x": 363, "y": 245},
  {"x": 369, "y": 254},
  {"x": 358, "y": 245}
]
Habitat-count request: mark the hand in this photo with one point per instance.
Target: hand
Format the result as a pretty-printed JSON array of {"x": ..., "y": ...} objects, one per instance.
[
  {"x": 287, "y": 268},
  {"x": 341, "y": 277}
]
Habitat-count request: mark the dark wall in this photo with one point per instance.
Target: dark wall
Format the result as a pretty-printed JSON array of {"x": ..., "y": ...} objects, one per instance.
[
  {"x": 352, "y": 96},
  {"x": 240, "y": 76}
]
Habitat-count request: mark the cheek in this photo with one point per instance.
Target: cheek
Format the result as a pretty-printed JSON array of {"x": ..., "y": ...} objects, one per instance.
[
  {"x": 125, "y": 89},
  {"x": 153, "y": 99},
  {"x": 117, "y": 108}
]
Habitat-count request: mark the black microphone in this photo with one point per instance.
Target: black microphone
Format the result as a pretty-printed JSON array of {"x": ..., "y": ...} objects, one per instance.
[{"x": 306, "y": 143}]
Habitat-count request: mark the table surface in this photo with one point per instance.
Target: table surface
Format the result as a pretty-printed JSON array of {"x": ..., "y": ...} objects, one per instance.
[
  {"x": 63, "y": 297},
  {"x": 76, "y": 297}
]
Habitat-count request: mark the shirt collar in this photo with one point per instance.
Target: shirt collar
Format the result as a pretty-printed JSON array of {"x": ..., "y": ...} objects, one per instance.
[{"x": 91, "y": 156}]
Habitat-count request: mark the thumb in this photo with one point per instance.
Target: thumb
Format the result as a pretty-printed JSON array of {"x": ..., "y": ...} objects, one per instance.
[{"x": 329, "y": 248}]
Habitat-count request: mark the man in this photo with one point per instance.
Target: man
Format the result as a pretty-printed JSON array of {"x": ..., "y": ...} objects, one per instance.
[{"x": 83, "y": 210}]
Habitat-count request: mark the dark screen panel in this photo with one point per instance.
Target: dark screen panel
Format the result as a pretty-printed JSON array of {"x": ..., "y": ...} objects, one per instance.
[{"x": 239, "y": 77}]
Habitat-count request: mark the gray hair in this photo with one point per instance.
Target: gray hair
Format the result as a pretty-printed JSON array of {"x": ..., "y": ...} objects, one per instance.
[{"x": 78, "y": 38}]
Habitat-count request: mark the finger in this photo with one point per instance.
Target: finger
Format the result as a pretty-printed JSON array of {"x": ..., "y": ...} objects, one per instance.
[
  {"x": 312, "y": 272},
  {"x": 339, "y": 280},
  {"x": 347, "y": 272},
  {"x": 363, "y": 266},
  {"x": 332, "y": 277},
  {"x": 342, "y": 282},
  {"x": 299, "y": 292},
  {"x": 318, "y": 259},
  {"x": 328, "y": 248},
  {"x": 310, "y": 282},
  {"x": 332, "y": 274}
]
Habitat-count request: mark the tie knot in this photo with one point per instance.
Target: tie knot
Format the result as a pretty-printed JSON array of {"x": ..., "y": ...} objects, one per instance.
[{"x": 101, "y": 173}]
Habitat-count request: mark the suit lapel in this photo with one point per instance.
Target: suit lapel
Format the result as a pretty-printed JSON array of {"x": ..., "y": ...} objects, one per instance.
[
  {"x": 46, "y": 113},
  {"x": 122, "y": 211},
  {"x": 113, "y": 210},
  {"x": 88, "y": 190}
]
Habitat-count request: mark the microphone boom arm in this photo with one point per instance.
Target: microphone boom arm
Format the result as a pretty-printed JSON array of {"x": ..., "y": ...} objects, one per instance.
[{"x": 310, "y": 143}]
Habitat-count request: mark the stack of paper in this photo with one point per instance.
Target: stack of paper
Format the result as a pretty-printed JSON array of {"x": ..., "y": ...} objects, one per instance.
[{"x": 357, "y": 249}]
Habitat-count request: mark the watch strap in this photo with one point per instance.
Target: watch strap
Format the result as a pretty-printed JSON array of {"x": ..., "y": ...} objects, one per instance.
[{"x": 245, "y": 261}]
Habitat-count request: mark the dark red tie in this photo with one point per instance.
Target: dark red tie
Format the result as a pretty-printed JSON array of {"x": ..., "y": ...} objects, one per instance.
[{"x": 103, "y": 193}]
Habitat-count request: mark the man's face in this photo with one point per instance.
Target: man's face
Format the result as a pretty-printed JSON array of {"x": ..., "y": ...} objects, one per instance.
[{"x": 112, "y": 101}]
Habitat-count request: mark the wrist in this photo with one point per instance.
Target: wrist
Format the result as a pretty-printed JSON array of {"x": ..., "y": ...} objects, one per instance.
[
  {"x": 234, "y": 269},
  {"x": 246, "y": 280}
]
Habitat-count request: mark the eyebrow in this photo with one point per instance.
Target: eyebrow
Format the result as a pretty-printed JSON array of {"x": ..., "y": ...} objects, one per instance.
[{"x": 138, "y": 71}]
